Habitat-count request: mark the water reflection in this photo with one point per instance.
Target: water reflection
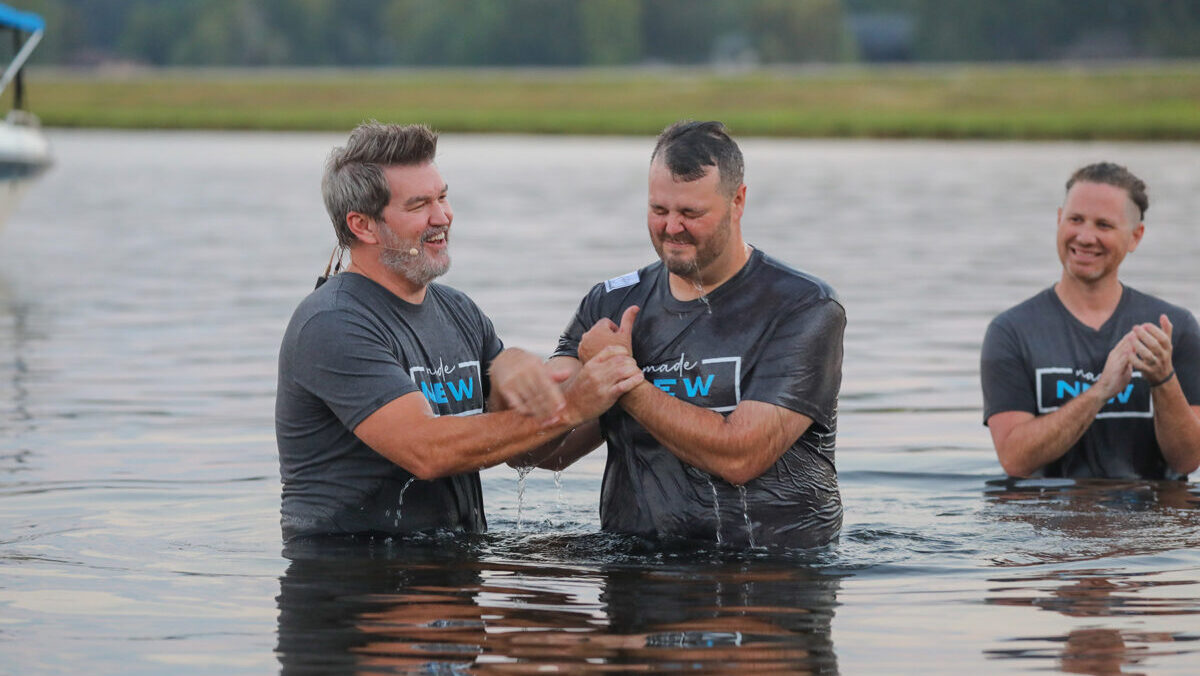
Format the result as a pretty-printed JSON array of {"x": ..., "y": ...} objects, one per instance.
[
  {"x": 139, "y": 500},
  {"x": 440, "y": 606},
  {"x": 1086, "y": 519},
  {"x": 1113, "y": 516},
  {"x": 1092, "y": 649}
]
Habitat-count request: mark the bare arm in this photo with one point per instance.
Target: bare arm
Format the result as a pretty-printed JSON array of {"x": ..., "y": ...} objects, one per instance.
[
  {"x": 560, "y": 452},
  {"x": 736, "y": 448},
  {"x": 1176, "y": 424},
  {"x": 408, "y": 433},
  {"x": 1177, "y": 428},
  {"x": 563, "y": 451},
  {"x": 1025, "y": 443}
]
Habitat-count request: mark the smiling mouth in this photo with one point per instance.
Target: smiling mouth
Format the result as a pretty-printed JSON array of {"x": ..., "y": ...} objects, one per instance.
[{"x": 438, "y": 238}]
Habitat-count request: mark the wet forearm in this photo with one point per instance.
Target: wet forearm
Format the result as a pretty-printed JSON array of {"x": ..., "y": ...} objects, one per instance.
[
  {"x": 432, "y": 447},
  {"x": 1176, "y": 427},
  {"x": 705, "y": 439}
]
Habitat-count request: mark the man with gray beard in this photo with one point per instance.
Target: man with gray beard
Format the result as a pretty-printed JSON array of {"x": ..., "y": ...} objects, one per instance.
[{"x": 394, "y": 391}]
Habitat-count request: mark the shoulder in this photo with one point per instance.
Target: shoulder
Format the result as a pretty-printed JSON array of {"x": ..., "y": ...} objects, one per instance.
[
  {"x": 329, "y": 318},
  {"x": 1148, "y": 303},
  {"x": 1026, "y": 312},
  {"x": 460, "y": 309},
  {"x": 335, "y": 298},
  {"x": 789, "y": 286},
  {"x": 616, "y": 291},
  {"x": 451, "y": 297}
]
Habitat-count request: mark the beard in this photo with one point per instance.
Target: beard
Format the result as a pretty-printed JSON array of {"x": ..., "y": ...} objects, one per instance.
[
  {"x": 419, "y": 270},
  {"x": 706, "y": 251}
]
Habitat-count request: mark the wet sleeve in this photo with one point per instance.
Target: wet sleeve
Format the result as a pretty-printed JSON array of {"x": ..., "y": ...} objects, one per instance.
[
  {"x": 1185, "y": 356},
  {"x": 343, "y": 360},
  {"x": 1003, "y": 373},
  {"x": 800, "y": 367},
  {"x": 492, "y": 346},
  {"x": 584, "y": 318}
]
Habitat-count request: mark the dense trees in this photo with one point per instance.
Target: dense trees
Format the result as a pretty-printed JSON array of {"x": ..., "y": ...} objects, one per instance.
[{"x": 606, "y": 32}]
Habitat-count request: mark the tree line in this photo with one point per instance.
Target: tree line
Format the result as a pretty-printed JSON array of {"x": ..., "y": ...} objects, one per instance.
[{"x": 606, "y": 32}]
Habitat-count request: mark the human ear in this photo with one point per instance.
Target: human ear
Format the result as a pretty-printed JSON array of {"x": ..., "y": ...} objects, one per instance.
[{"x": 362, "y": 226}]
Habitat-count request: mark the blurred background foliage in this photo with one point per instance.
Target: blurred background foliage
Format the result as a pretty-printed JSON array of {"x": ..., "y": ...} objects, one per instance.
[{"x": 383, "y": 33}]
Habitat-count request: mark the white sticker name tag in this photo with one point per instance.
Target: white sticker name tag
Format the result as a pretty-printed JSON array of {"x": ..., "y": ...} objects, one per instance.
[{"x": 621, "y": 282}]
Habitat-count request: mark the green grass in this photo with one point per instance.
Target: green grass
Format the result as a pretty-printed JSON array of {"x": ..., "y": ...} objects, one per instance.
[{"x": 1154, "y": 102}]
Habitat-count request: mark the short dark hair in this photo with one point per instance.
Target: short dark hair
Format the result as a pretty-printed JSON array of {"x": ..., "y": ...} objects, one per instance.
[
  {"x": 1116, "y": 176},
  {"x": 354, "y": 179},
  {"x": 688, "y": 148}
]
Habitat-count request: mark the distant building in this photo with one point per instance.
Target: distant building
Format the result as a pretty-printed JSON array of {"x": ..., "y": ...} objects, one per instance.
[{"x": 883, "y": 36}]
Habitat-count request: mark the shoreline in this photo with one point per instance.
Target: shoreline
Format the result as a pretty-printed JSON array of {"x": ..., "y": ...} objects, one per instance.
[{"x": 1132, "y": 101}]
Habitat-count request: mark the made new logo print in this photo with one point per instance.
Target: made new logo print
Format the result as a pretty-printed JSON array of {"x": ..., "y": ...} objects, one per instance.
[
  {"x": 713, "y": 383},
  {"x": 1056, "y": 386},
  {"x": 451, "y": 389}
]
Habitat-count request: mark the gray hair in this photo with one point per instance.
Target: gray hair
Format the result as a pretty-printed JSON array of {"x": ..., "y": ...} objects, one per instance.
[
  {"x": 689, "y": 148},
  {"x": 1116, "y": 176},
  {"x": 354, "y": 179}
]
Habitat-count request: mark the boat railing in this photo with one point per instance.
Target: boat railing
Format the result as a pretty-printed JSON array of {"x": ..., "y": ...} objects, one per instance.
[{"x": 18, "y": 61}]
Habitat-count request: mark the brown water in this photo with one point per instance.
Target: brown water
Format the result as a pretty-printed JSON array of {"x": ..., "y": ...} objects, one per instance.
[{"x": 146, "y": 284}]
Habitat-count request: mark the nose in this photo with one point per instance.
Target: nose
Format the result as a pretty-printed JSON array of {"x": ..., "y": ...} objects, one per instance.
[
  {"x": 441, "y": 214},
  {"x": 674, "y": 225},
  {"x": 1087, "y": 233}
]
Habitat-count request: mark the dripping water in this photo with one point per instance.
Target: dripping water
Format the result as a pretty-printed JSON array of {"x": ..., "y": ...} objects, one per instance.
[
  {"x": 746, "y": 516},
  {"x": 400, "y": 500},
  {"x": 716, "y": 509},
  {"x": 522, "y": 473}
]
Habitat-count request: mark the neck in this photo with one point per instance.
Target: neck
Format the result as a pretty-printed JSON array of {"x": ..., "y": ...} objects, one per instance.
[
  {"x": 1090, "y": 303},
  {"x": 367, "y": 264},
  {"x": 708, "y": 280}
]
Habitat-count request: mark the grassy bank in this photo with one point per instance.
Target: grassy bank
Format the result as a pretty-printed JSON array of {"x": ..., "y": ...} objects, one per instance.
[{"x": 1154, "y": 102}]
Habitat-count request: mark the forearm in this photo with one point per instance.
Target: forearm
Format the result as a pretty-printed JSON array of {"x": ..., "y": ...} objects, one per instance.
[
  {"x": 563, "y": 451},
  {"x": 1176, "y": 427},
  {"x": 1046, "y": 438},
  {"x": 448, "y": 445},
  {"x": 408, "y": 433},
  {"x": 724, "y": 446}
]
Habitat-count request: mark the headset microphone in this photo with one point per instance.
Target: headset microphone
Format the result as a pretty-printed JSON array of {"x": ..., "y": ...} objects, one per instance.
[{"x": 411, "y": 252}]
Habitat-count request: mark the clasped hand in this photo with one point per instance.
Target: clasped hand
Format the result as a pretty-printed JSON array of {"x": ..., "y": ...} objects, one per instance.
[
  {"x": 533, "y": 388},
  {"x": 528, "y": 385},
  {"x": 605, "y": 333},
  {"x": 1146, "y": 348}
]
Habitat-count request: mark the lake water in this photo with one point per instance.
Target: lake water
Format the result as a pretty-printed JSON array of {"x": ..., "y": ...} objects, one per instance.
[{"x": 146, "y": 283}]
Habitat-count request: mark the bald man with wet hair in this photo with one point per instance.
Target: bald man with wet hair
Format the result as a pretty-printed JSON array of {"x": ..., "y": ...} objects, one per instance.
[{"x": 1090, "y": 377}]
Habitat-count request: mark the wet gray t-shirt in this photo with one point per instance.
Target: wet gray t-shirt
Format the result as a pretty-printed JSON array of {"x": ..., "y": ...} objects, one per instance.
[
  {"x": 769, "y": 334},
  {"x": 351, "y": 347},
  {"x": 1037, "y": 356}
]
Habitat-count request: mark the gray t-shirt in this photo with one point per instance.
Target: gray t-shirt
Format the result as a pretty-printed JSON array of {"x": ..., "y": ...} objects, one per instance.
[
  {"x": 351, "y": 347},
  {"x": 1037, "y": 356},
  {"x": 769, "y": 334}
]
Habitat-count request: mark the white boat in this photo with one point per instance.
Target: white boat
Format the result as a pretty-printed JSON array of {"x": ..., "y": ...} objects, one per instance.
[{"x": 24, "y": 151}]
